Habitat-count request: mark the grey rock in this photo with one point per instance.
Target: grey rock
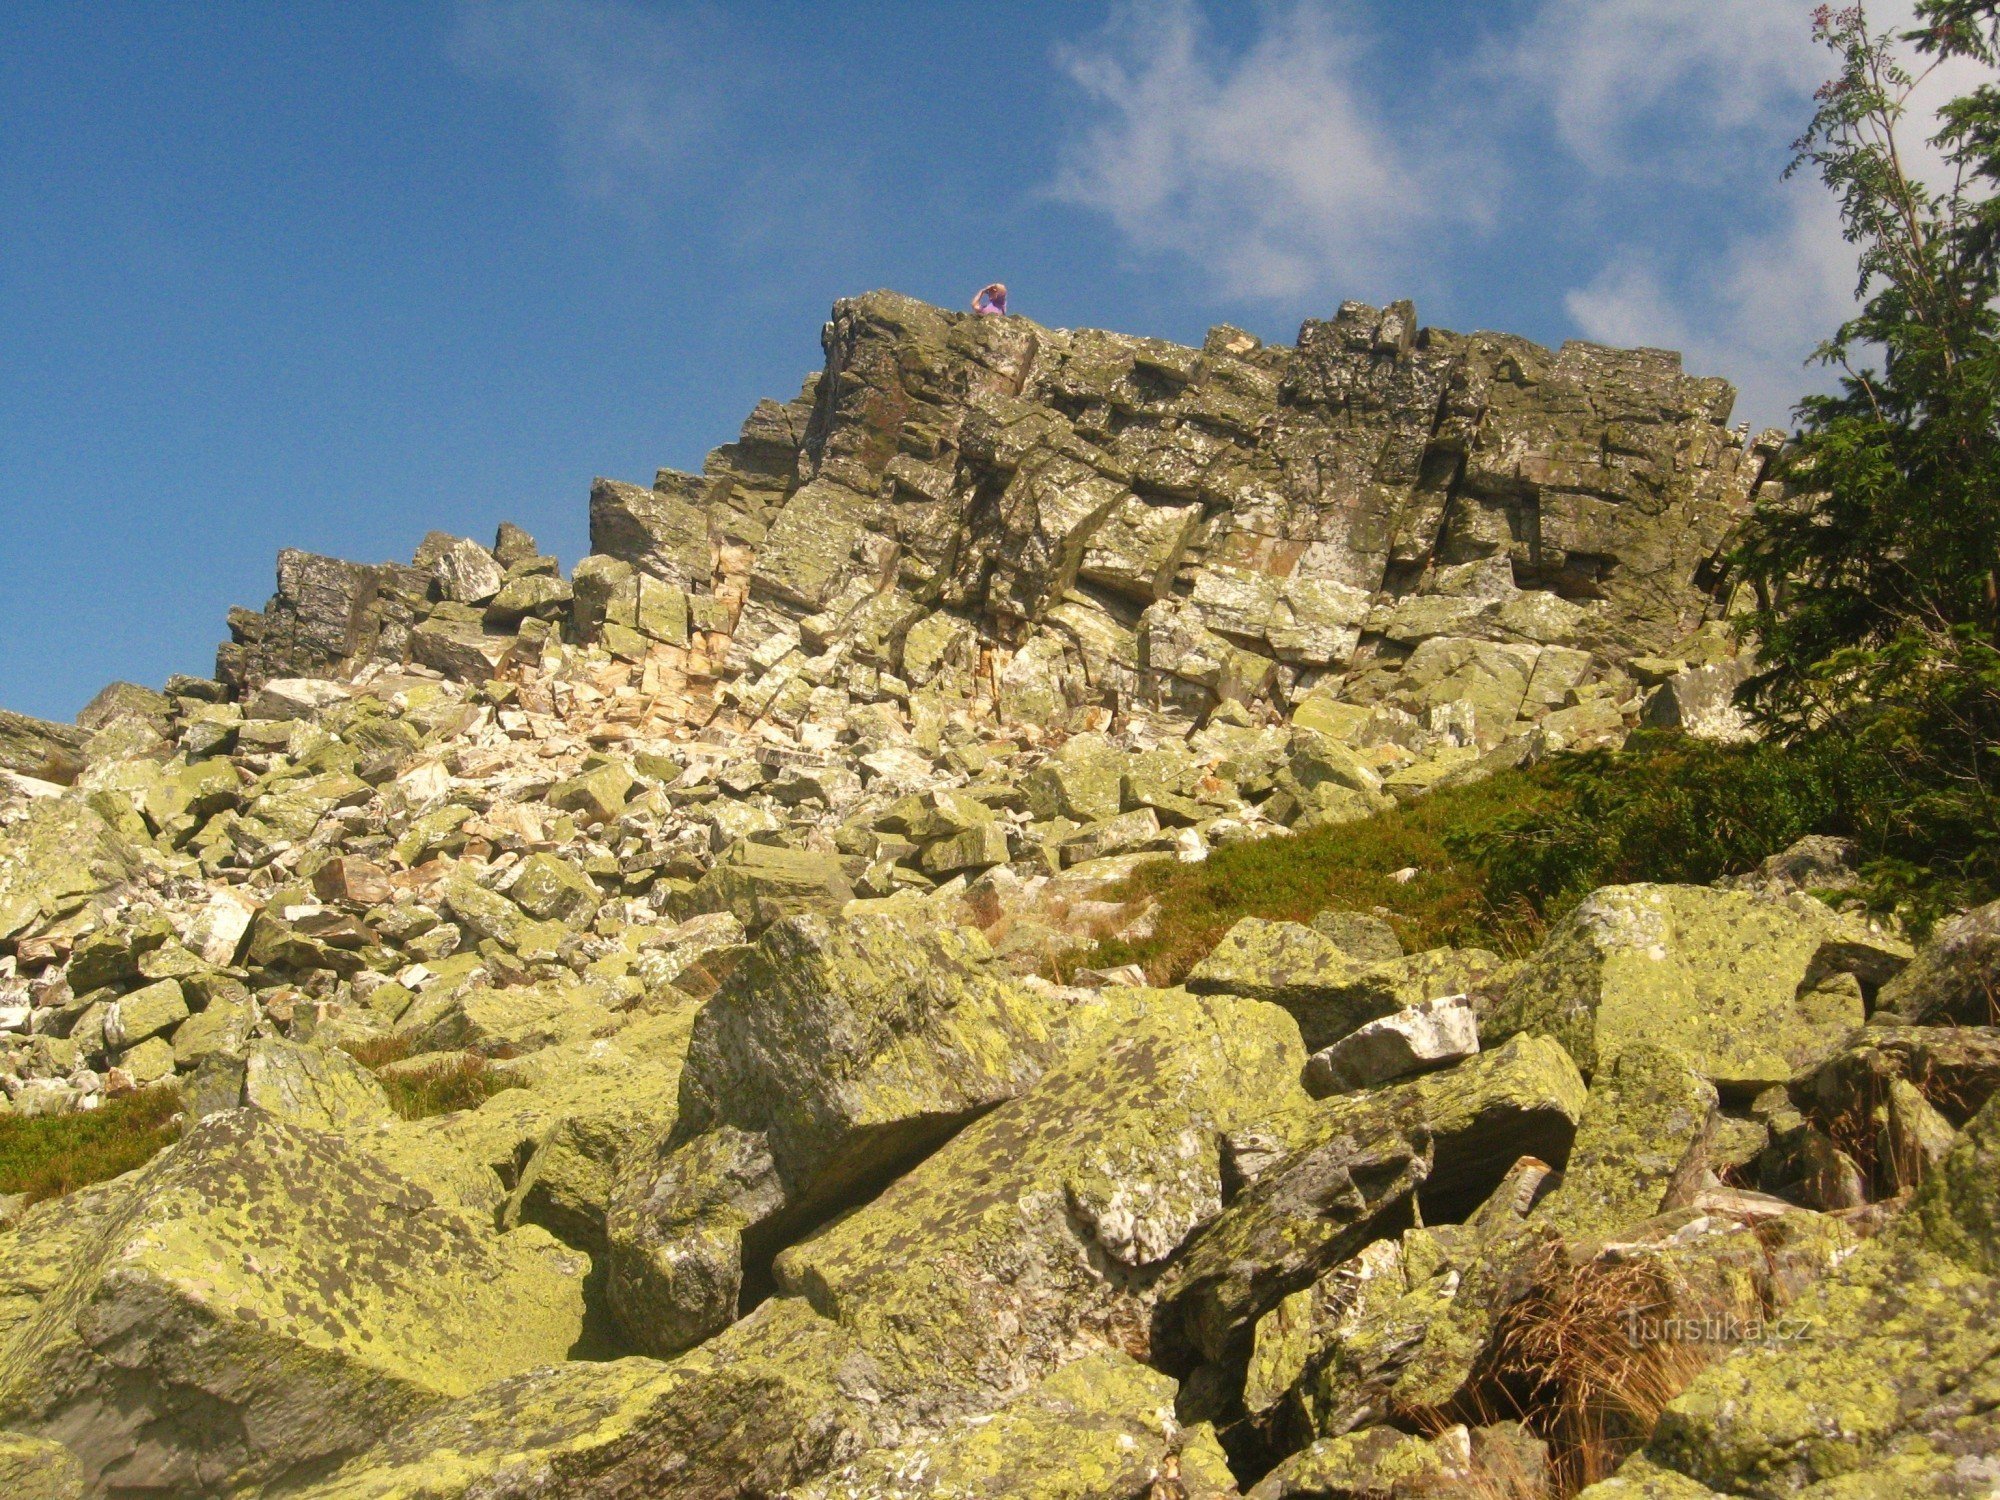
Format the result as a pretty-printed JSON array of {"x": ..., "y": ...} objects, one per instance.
[{"x": 1422, "y": 1037}]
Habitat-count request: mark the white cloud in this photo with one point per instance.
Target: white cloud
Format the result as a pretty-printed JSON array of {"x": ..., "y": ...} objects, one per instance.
[
  {"x": 1273, "y": 168},
  {"x": 1740, "y": 73},
  {"x": 1752, "y": 314},
  {"x": 620, "y": 84},
  {"x": 1608, "y": 68}
]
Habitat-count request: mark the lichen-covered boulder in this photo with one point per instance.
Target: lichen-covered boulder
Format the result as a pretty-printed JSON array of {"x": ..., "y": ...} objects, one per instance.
[
  {"x": 261, "y": 1300},
  {"x": 662, "y": 531},
  {"x": 1646, "y": 1112},
  {"x": 1379, "y": 1463},
  {"x": 1417, "y": 1039},
  {"x": 1038, "y": 1232},
  {"x": 316, "y": 1088},
  {"x": 55, "y": 860},
  {"x": 33, "y": 1468},
  {"x": 1743, "y": 986},
  {"x": 1955, "y": 977},
  {"x": 1330, "y": 991},
  {"x": 1890, "y": 1378},
  {"x": 40, "y": 748},
  {"x": 1357, "y": 1161},
  {"x": 760, "y": 883},
  {"x": 610, "y": 1096},
  {"x": 835, "y": 1053},
  {"x": 1098, "y": 1428},
  {"x": 552, "y": 889}
]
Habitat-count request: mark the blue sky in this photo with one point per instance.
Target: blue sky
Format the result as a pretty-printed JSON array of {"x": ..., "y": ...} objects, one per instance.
[{"x": 330, "y": 275}]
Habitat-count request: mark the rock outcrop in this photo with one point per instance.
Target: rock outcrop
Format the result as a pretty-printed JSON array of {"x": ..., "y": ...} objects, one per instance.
[{"x": 623, "y": 1033}]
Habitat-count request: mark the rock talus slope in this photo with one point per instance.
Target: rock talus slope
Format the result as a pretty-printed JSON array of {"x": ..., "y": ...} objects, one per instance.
[{"x": 606, "y": 1026}]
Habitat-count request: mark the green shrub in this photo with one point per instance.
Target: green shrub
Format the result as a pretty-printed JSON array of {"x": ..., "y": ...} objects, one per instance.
[
  {"x": 1352, "y": 867},
  {"x": 1498, "y": 861},
  {"x": 45, "y": 1156}
]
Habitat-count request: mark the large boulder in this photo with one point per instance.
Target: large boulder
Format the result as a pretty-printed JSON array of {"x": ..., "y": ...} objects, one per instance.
[
  {"x": 57, "y": 859},
  {"x": 1358, "y": 1162},
  {"x": 261, "y": 1300},
  {"x": 34, "y": 1468},
  {"x": 1749, "y": 989},
  {"x": 662, "y": 531},
  {"x": 1647, "y": 1113},
  {"x": 327, "y": 617},
  {"x": 877, "y": 1344},
  {"x": 1103, "y": 1426},
  {"x": 760, "y": 883},
  {"x": 40, "y": 748},
  {"x": 1329, "y": 990},
  {"x": 835, "y": 1054}
]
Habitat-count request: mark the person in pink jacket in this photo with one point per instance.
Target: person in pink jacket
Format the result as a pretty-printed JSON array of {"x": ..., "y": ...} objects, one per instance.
[{"x": 991, "y": 301}]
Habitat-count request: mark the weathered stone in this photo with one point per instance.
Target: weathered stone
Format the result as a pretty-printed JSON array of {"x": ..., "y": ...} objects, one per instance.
[
  {"x": 1886, "y": 1387},
  {"x": 1118, "y": 1144},
  {"x": 596, "y": 795},
  {"x": 1702, "y": 703},
  {"x": 1360, "y": 1161},
  {"x": 661, "y": 531},
  {"x": 976, "y": 848},
  {"x": 1955, "y": 977},
  {"x": 315, "y": 1088},
  {"x": 1099, "y": 1427},
  {"x": 614, "y": 1097},
  {"x": 118, "y": 700},
  {"x": 831, "y": 1057},
  {"x": 760, "y": 883},
  {"x": 553, "y": 889},
  {"x": 1083, "y": 780},
  {"x": 1722, "y": 977},
  {"x": 1417, "y": 1039},
  {"x": 144, "y": 1013},
  {"x": 39, "y": 748},
  {"x": 277, "y": 1276},
  {"x": 1360, "y": 936},
  {"x": 1378, "y": 1464},
  {"x": 1645, "y": 1114},
  {"x": 464, "y": 571},
  {"x": 55, "y": 860},
  {"x": 294, "y": 698},
  {"x": 1328, "y": 990},
  {"x": 535, "y": 594},
  {"x": 462, "y": 650},
  {"x": 37, "y": 1469}
]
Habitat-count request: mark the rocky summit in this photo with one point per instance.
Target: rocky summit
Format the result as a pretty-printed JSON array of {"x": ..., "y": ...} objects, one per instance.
[{"x": 633, "y": 1033}]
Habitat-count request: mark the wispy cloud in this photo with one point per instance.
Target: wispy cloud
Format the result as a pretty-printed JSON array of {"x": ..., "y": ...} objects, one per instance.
[
  {"x": 623, "y": 87},
  {"x": 1644, "y": 85},
  {"x": 1274, "y": 167},
  {"x": 1752, "y": 311},
  {"x": 1739, "y": 74}
]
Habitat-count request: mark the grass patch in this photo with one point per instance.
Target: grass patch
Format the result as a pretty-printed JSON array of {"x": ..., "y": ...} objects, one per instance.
[
  {"x": 49, "y": 1155},
  {"x": 1351, "y": 867},
  {"x": 460, "y": 1081},
  {"x": 374, "y": 1052},
  {"x": 1500, "y": 860}
]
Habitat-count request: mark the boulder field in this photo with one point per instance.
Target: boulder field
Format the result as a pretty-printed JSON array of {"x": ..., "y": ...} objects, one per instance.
[{"x": 622, "y": 1034}]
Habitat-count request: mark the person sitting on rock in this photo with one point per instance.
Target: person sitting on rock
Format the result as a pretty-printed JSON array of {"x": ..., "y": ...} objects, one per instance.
[{"x": 991, "y": 301}]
